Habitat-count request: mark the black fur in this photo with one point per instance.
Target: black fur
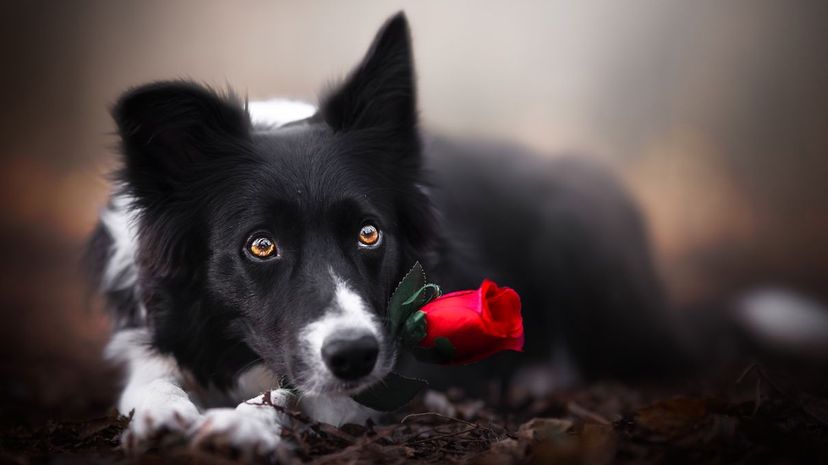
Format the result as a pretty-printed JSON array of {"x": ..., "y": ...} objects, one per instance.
[{"x": 564, "y": 235}]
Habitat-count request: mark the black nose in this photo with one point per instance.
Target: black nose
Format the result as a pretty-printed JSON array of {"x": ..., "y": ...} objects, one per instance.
[{"x": 350, "y": 357}]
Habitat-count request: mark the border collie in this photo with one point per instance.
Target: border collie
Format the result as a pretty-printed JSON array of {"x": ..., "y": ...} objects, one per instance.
[{"x": 248, "y": 248}]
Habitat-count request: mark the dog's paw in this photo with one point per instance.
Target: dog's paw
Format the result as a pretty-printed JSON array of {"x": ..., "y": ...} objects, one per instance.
[
  {"x": 249, "y": 430},
  {"x": 165, "y": 415}
]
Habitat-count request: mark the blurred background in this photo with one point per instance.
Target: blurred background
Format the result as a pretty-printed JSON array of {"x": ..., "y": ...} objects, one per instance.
[{"x": 715, "y": 114}]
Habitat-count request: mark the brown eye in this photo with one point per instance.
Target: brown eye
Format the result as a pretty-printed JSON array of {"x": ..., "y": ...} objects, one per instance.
[
  {"x": 369, "y": 236},
  {"x": 261, "y": 247}
]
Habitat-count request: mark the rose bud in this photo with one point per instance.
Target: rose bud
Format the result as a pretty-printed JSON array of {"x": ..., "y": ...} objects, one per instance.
[{"x": 466, "y": 326}]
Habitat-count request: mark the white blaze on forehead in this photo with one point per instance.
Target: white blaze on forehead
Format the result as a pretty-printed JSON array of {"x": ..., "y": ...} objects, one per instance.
[
  {"x": 351, "y": 305},
  {"x": 278, "y": 112},
  {"x": 347, "y": 311}
]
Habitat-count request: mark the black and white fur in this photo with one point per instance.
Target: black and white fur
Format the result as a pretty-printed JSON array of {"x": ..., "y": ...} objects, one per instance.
[{"x": 201, "y": 325}]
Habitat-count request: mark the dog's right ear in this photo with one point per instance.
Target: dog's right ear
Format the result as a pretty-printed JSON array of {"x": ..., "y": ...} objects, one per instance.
[
  {"x": 173, "y": 134},
  {"x": 169, "y": 128}
]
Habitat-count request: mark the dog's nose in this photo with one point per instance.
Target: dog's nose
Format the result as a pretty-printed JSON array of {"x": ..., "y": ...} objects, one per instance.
[{"x": 350, "y": 357}]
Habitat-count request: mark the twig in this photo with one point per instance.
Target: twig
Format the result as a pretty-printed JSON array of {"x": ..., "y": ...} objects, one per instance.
[
  {"x": 757, "y": 401},
  {"x": 797, "y": 399},
  {"x": 745, "y": 372},
  {"x": 443, "y": 436},
  {"x": 414, "y": 415},
  {"x": 757, "y": 396},
  {"x": 582, "y": 412}
]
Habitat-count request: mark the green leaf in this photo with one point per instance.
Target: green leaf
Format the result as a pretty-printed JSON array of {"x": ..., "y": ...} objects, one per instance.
[
  {"x": 414, "y": 280},
  {"x": 391, "y": 393},
  {"x": 414, "y": 329}
]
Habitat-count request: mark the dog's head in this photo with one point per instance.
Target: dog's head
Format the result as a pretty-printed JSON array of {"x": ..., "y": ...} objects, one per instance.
[{"x": 297, "y": 235}]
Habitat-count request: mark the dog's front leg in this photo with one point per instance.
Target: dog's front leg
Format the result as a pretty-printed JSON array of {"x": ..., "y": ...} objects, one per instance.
[
  {"x": 152, "y": 393},
  {"x": 253, "y": 427}
]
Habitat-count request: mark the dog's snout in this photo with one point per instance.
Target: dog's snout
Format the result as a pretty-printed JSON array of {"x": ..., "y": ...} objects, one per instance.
[{"x": 350, "y": 357}]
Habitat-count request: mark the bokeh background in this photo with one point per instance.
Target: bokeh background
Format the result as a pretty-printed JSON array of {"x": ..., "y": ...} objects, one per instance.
[{"x": 714, "y": 113}]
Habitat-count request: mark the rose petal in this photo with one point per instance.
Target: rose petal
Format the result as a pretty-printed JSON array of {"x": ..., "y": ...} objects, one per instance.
[
  {"x": 501, "y": 311},
  {"x": 478, "y": 323}
]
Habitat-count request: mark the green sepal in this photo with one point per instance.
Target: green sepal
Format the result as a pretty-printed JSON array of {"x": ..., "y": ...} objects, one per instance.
[
  {"x": 391, "y": 393},
  {"x": 442, "y": 352},
  {"x": 414, "y": 330},
  {"x": 421, "y": 297},
  {"x": 414, "y": 280}
]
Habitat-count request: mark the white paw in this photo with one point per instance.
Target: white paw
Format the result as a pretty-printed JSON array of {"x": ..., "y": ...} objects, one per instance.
[
  {"x": 166, "y": 413},
  {"x": 250, "y": 429}
]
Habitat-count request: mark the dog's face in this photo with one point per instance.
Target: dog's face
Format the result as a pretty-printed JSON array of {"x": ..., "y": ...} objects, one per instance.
[
  {"x": 294, "y": 235},
  {"x": 306, "y": 245}
]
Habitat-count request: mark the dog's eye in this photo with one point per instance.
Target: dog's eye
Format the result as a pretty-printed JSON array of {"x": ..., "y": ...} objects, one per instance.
[
  {"x": 261, "y": 246},
  {"x": 369, "y": 236}
]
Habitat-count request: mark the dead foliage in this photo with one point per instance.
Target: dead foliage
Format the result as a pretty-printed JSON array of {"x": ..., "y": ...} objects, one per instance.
[{"x": 756, "y": 420}]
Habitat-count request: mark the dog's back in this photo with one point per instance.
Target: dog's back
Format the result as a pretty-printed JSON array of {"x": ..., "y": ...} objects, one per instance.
[{"x": 569, "y": 238}]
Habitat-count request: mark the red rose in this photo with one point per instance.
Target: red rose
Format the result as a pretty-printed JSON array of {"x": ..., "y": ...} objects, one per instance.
[
  {"x": 458, "y": 328},
  {"x": 466, "y": 326}
]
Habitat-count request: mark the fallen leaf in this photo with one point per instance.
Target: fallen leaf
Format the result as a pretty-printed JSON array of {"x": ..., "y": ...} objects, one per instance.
[{"x": 672, "y": 418}]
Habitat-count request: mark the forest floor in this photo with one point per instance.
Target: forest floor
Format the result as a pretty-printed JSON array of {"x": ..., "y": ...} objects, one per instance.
[{"x": 751, "y": 416}]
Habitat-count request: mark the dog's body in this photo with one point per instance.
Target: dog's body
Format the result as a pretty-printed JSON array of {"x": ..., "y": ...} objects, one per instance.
[{"x": 239, "y": 255}]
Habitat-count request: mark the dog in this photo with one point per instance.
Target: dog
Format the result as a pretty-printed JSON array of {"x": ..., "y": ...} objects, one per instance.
[{"x": 248, "y": 251}]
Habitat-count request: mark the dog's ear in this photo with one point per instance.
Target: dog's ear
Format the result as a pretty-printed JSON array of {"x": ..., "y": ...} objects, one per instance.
[
  {"x": 177, "y": 137},
  {"x": 380, "y": 91},
  {"x": 169, "y": 128},
  {"x": 378, "y": 98}
]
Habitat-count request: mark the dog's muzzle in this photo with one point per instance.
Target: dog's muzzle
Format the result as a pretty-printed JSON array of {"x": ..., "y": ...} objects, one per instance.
[{"x": 350, "y": 355}]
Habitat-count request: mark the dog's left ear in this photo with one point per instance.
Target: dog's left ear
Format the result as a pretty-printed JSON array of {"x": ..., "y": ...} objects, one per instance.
[
  {"x": 379, "y": 97},
  {"x": 380, "y": 92}
]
